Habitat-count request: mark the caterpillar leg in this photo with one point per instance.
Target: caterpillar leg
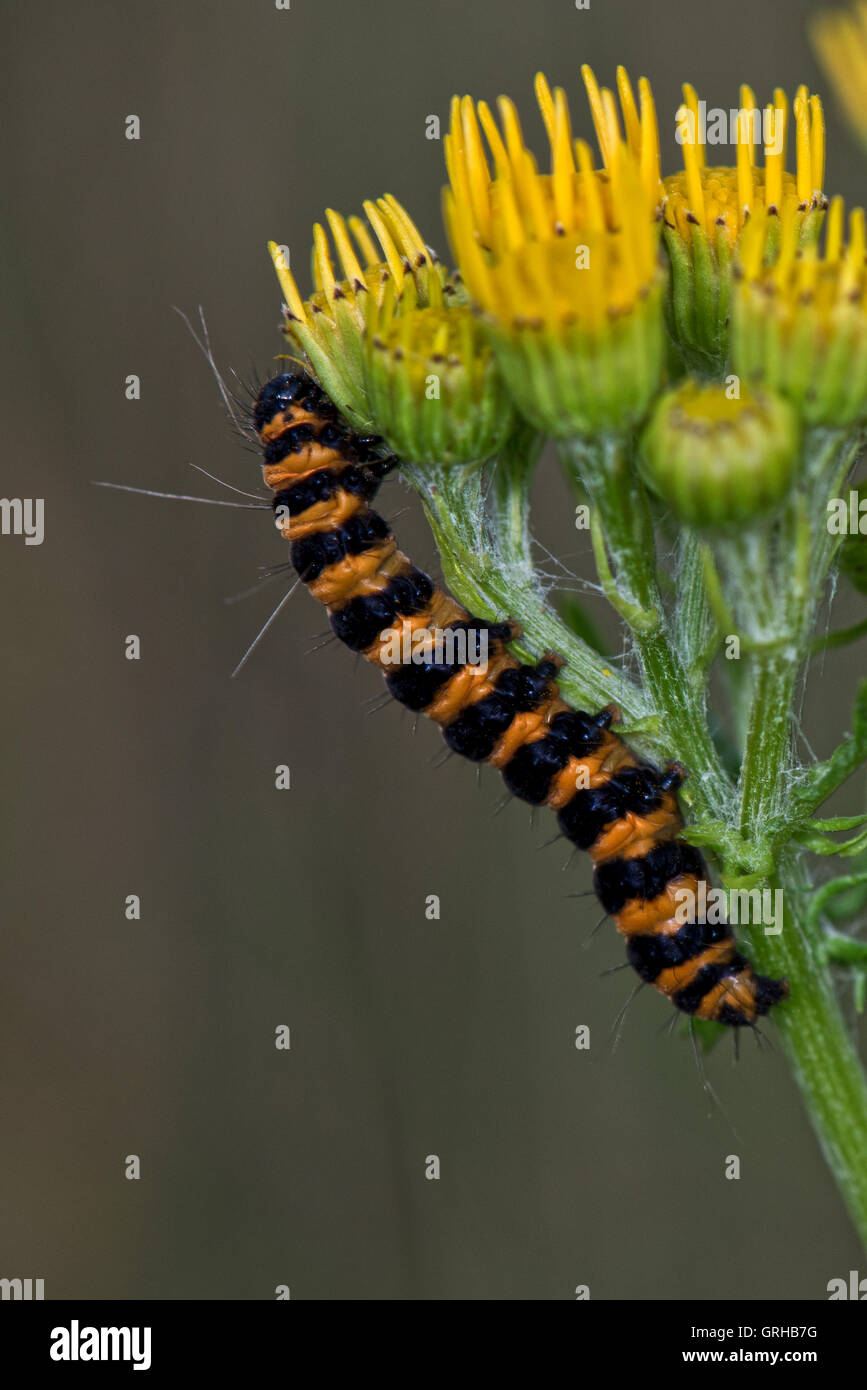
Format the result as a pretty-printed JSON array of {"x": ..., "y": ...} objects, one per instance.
[{"x": 673, "y": 777}]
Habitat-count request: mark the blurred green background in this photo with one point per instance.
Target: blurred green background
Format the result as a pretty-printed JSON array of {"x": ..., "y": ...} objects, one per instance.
[{"x": 306, "y": 908}]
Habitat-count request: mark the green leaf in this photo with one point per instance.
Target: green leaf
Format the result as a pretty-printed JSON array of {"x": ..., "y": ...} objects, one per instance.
[
  {"x": 822, "y": 844},
  {"x": 651, "y": 724},
  {"x": 852, "y": 884},
  {"x": 848, "y": 952},
  {"x": 824, "y": 778},
  {"x": 850, "y": 898},
  {"x": 706, "y": 832},
  {"x": 725, "y": 842},
  {"x": 843, "y": 950},
  {"x": 839, "y": 823},
  {"x": 841, "y": 638},
  {"x": 746, "y": 882}
]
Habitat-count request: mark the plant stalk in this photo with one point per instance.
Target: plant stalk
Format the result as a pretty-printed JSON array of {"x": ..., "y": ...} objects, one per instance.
[{"x": 490, "y": 569}]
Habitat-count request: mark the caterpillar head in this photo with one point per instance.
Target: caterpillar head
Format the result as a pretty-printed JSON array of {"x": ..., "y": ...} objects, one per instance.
[{"x": 290, "y": 399}]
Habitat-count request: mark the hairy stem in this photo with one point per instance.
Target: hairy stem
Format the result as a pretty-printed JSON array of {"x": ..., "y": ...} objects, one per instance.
[
  {"x": 817, "y": 1040},
  {"x": 779, "y": 587},
  {"x": 492, "y": 585},
  {"x": 617, "y": 495}
]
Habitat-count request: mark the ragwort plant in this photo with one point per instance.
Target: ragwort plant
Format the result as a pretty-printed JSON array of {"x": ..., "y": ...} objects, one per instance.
[{"x": 696, "y": 347}]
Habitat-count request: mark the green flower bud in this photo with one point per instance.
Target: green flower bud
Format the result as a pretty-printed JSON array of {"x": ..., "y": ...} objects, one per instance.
[
  {"x": 435, "y": 391},
  {"x": 718, "y": 461}
]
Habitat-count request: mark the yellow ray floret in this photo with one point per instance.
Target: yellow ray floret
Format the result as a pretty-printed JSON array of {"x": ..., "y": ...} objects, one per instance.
[
  {"x": 640, "y": 125},
  {"x": 576, "y": 244},
  {"x": 355, "y": 262},
  {"x": 829, "y": 280},
  {"x": 840, "y": 39},
  {"x": 800, "y": 317},
  {"x": 362, "y": 263},
  {"x": 720, "y": 200}
]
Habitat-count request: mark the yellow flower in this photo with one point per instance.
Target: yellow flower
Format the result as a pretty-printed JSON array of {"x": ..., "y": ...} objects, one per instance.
[
  {"x": 800, "y": 318},
  {"x": 329, "y": 327},
  {"x": 840, "y": 39},
  {"x": 436, "y": 394},
  {"x": 706, "y": 209},
  {"x": 564, "y": 265},
  {"x": 721, "y": 200}
]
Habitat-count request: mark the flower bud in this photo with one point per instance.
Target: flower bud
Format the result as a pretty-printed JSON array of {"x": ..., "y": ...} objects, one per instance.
[
  {"x": 719, "y": 461},
  {"x": 435, "y": 391}
]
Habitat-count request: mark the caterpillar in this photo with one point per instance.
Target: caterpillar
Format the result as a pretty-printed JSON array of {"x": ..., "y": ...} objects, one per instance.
[{"x": 607, "y": 800}]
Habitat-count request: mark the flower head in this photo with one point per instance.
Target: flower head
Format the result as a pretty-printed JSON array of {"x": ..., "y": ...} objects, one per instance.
[
  {"x": 707, "y": 208},
  {"x": 717, "y": 459},
  {"x": 435, "y": 391},
  {"x": 800, "y": 318},
  {"x": 840, "y": 39},
  {"x": 563, "y": 265},
  {"x": 329, "y": 327}
]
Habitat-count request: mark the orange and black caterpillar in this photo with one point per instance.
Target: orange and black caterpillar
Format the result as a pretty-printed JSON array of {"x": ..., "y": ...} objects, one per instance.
[{"x": 510, "y": 715}]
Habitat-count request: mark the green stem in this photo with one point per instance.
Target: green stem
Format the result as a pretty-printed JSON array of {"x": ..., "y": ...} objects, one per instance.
[
  {"x": 608, "y": 474},
  {"x": 697, "y": 630},
  {"x": 480, "y": 577},
  {"x": 767, "y": 761},
  {"x": 775, "y": 578},
  {"x": 818, "y": 1042},
  {"x": 776, "y": 594}
]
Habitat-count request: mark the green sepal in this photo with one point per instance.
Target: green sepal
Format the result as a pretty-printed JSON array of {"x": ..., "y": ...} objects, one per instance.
[
  {"x": 697, "y": 304},
  {"x": 585, "y": 382}
]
